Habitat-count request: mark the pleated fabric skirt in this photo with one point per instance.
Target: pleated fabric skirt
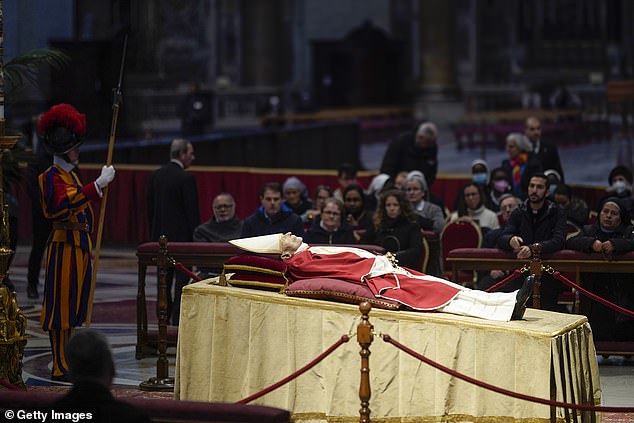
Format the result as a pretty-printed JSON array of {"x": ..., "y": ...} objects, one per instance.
[{"x": 66, "y": 286}]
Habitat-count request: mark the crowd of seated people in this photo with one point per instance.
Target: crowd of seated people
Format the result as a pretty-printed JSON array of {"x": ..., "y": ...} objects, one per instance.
[{"x": 398, "y": 209}]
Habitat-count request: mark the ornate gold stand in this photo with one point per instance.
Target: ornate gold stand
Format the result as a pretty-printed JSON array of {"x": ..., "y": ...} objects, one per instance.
[{"x": 12, "y": 320}]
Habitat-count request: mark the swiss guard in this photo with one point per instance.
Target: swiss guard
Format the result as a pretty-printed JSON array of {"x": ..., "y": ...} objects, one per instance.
[{"x": 66, "y": 201}]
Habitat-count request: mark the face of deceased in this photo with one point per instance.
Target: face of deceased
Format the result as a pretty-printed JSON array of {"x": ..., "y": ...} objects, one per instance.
[{"x": 290, "y": 243}]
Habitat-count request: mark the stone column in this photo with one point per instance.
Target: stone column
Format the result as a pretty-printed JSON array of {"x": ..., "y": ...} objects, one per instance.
[
  {"x": 437, "y": 53},
  {"x": 263, "y": 47}
]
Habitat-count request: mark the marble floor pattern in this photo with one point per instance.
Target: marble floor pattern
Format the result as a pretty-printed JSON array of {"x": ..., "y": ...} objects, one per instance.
[{"x": 117, "y": 282}]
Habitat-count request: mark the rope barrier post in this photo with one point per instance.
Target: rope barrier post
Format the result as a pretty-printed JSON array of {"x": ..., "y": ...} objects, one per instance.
[
  {"x": 162, "y": 381},
  {"x": 365, "y": 337},
  {"x": 536, "y": 269}
]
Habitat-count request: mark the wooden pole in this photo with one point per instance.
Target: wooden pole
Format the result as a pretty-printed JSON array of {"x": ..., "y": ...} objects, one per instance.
[
  {"x": 102, "y": 214},
  {"x": 365, "y": 337}
]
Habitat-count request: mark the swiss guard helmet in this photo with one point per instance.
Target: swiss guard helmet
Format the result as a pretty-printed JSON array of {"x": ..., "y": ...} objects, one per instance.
[{"x": 62, "y": 129}]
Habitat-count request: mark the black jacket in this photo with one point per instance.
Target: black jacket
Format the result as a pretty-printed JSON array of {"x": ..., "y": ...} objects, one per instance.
[
  {"x": 172, "y": 202},
  {"x": 548, "y": 157},
  {"x": 260, "y": 224},
  {"x": 547, "y": 228},
  {"x": 212, "y": 231},
  {"x": 622, "y": 238},
  {"x": 95, "y": 398},
  {"x": 403, "y": 155},
  {"x": 318, "y": 235},
  {"x": 400, "y": 237}
]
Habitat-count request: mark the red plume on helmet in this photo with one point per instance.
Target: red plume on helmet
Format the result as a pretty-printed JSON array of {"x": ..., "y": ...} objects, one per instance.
[{"x": 62, "y": 128}]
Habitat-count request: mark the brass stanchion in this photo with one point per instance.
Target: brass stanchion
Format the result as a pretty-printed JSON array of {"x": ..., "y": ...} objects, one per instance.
[
  {"x": 162, "y": 381},
  {"x": 365, "y": 337}
]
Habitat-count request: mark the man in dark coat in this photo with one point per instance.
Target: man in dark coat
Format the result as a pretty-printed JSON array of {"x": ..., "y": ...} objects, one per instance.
[
  {"x": 223, "y": 225},
  {"x": 272, "y": 216},
  {"x": 537, "y": 220},
  {"x": 546, "y": 152},
  {"x": 610, "y": 234},
  {"x": 92, "y": 370},
  {"x": 418, "y": 152},
  {"x": 172, "y": 203}
]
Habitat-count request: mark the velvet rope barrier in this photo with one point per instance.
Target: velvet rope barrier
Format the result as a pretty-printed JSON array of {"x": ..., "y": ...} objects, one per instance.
[
  {"x": 504, "y": 281},
  {"x": 186, "y": 271},
  {"x": 590, "y": 295},
  {"x": 320, "y": 357},
  {"x": 494, "y": 388}
]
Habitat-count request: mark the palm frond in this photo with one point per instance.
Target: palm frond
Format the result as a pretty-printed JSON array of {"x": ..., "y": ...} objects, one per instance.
[{"x": 22, "y": 69}]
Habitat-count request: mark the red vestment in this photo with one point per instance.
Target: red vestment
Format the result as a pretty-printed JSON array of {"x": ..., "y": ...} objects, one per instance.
[{"x": 414, "y": 289}]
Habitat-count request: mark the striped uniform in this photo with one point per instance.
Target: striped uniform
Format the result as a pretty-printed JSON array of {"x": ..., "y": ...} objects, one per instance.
[{"x": 68, "y": 269}]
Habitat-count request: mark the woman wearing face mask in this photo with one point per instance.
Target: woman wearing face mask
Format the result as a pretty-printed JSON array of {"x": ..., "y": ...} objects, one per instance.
[
  {"x": 620, "y": 186},
  {"x": 499, "y": 187},
  {"x": 610, "y": 234},
  {"x": 395, "y": 229},
  {"x": 480, "y": 173}
]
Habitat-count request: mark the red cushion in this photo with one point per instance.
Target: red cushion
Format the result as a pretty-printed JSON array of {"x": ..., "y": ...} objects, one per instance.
[
  {"x": 252, "y": 271},
  {"x": 253, "y": 263},
  {"x": 337, "y": 290}
]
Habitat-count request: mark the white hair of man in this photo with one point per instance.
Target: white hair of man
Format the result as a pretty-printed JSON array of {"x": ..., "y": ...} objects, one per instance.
[
  {"x": 178, "y": 146},
  {"x": 427, "y": 129}
]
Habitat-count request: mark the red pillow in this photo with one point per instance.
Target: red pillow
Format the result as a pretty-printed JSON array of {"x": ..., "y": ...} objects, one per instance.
[
  {"x": 337, "y": 290},
  {"x": 251, "y": 271}
]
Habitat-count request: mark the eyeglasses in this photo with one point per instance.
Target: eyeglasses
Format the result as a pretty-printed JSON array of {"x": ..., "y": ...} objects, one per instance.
[{"x": 223, "y": 206}]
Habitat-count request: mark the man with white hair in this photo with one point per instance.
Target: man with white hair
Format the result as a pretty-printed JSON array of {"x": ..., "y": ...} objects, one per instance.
[{"x": 418, "y": 152}]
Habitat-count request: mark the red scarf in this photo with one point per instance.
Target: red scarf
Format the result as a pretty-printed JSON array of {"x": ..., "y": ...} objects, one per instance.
[{"x": 517, "y": 165}]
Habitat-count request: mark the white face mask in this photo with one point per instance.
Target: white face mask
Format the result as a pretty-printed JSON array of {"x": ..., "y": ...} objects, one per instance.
[{"x": 620, "y": 187}]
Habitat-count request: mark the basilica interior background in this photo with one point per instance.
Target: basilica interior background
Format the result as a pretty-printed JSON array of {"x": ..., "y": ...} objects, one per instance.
[{"x": 252, "y": 58}]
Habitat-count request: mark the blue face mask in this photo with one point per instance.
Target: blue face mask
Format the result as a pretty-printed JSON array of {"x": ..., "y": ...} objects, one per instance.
[
  {"x": 552, "y": 188},
  {"x": 479, "y": 178}
]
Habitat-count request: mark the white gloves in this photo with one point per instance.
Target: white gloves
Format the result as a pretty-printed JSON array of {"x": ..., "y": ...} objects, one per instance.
[{"x": 107, "y": 175}]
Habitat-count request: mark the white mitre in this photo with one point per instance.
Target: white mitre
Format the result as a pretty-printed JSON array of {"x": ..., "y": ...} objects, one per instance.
[{"x": 264, "y": 244}]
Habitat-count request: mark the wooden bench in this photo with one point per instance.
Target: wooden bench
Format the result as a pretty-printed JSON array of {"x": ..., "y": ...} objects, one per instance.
[
  {"x": 563, "y": 261},
  {"x": 208, "y": 254}
]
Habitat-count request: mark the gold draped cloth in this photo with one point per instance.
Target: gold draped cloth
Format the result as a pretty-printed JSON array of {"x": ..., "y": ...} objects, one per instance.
[{"x": 234, "y": 342}]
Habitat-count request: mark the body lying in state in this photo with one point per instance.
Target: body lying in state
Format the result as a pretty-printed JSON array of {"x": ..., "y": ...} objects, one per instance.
[{"x": 387, "y": 280}]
